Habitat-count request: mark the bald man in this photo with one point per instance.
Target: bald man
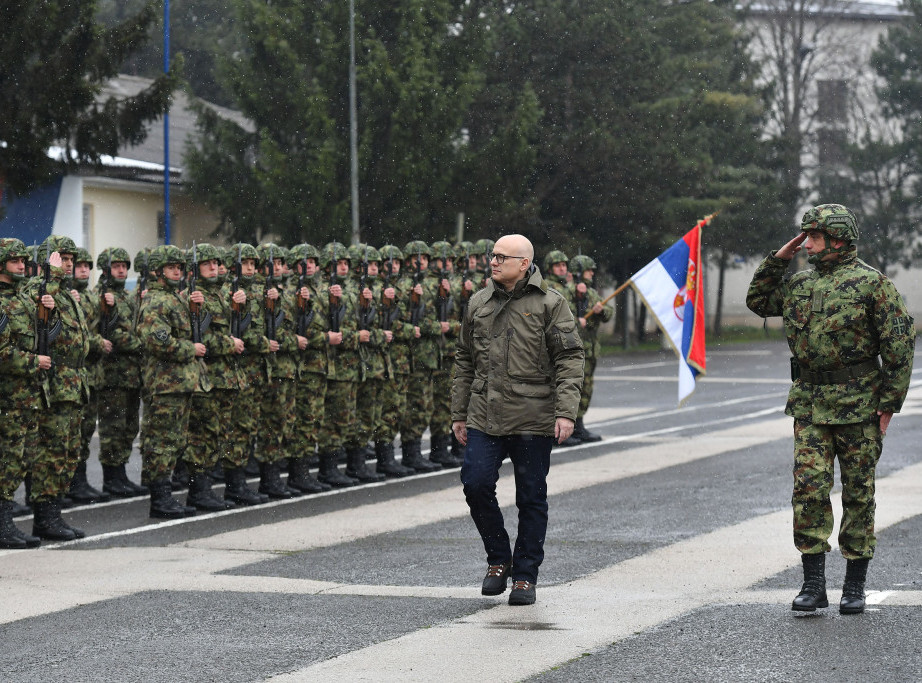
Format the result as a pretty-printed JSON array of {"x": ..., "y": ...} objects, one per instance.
[{"x": 518, "y": 373}]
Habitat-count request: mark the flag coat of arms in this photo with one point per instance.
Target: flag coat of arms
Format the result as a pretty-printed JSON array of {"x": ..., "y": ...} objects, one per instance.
[{"x": 672, "y": 288}]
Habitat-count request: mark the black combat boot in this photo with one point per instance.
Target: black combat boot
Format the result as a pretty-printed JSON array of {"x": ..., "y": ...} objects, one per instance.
[
  {"x": 856, "y": 573},
  {"x": 457, "y": 450},
  {"x": 80, "y": 490},
  {"x": 330, "y": 474},
  {"x": 357, "y": 469},
  {"x": 387, "y": 465},
  {"x": 271, "y": 484},
  {"x": 583, "y": 434},
  {"x": 813, "y": 593},
  {"x": 162, "y": 503},
  {"x": 180, "y": 478},
  {"x": 413, "y": 457},
  {"x": 11, "y": 536},
  {"x": 116, "y": 482},
  {"x": 78, "y": 533},
  {"x": 47, "y": 523},
  {"x": 439, "y": 453},
  {"x": 200, "y": 495},
  {"x": 236, "y": 489},
  {"x": 301, "y": 479}
]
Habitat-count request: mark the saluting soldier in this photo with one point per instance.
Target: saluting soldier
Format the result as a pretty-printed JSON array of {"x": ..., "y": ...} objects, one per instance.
[{"x": 852, "y": 343}]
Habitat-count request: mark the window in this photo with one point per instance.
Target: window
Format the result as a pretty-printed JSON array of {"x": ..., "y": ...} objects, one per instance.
[
  {"x": 831, "y": 146},
  {"x": 161, "y": 226},
  {"x": 832, "y": 98}
]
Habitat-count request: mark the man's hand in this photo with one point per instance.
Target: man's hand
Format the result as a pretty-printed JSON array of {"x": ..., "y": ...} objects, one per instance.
[
  {"x": 459, "y": 428},
  {"x": 197, "y": 297},
  {"x": 786, "y": 253},
  {"x": 563, "y": 429},
  {"x": 200, "y": 350},
  {"x": 884, "y": 421}
]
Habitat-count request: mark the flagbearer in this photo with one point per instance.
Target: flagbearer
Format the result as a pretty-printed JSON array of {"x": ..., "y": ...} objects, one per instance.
[
  {"x": 852, "y": 341},
  {"x": 590, "y": 314}
]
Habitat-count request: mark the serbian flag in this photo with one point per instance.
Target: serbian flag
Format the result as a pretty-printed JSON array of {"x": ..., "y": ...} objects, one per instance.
[{"x": 672, "y": 288}]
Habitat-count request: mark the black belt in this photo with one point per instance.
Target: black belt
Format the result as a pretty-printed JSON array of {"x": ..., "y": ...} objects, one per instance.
[{"x": 839, "y": 376}]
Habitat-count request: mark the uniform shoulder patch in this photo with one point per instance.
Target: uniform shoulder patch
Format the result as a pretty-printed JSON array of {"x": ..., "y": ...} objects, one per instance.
[{"x": 162, "y": 336}]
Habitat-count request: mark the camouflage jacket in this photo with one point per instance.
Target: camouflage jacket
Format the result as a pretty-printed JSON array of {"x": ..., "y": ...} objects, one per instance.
[
  {"x": 313, "y": 359},
  {"x": 22, "y": 384},
  {"x": 169, "y": 365},
  {"x": 284, "y": 363},
  {"x": 256, "y": 361},
  {"x": 426, "y": 351},
  {"x": 221, "y": 359},
  {"x": 398, "y": 321},
  {"x": 557, "y": 283},
  {"x": 590, "y": 333},
  {"x": 374, "y": 355},
  {"x": 838, "y": 315},
  {"x": 68, "y": 380},
  {"x": 343, "y": 361},
  {"x": 519, "y": 364},
  {"x": 89, "y": 303},
  {"x": 122, "y": 367}
]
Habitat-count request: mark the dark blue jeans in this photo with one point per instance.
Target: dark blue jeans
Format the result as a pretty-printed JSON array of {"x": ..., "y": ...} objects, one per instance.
[{"x": 531, "y": 460}]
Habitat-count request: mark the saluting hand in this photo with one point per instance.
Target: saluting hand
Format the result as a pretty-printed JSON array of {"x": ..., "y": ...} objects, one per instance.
[{"x": 787, "y": 252}]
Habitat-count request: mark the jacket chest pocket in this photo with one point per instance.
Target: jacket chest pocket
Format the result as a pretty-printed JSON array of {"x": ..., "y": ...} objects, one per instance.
[
  {"x": 839, "y": 313},
  {"x": 525, "y": 360}
]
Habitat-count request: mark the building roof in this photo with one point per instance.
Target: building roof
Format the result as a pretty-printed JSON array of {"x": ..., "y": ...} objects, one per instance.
[{"x": 876, "y": 10}]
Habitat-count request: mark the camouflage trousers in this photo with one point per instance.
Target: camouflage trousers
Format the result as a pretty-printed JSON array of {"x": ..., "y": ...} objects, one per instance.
[
  {"x": 367, "y": 411},
  {"x": 119, "y": 420},
  {"x": 16, "y": 427},
  {"x": 210, "y": 428},
  {"x": 310, "y": 392},
  {"x": 163, "y": 434},
  {"x": 393, "y": 406},
  {"x": 247, "y": 412},
  {"x": 816, "y": 448},
  {"x": 338, "y": 416},
  {"x": 585, "y": 394},
  {"x": 440, "y": 419},
  {"x": 419, "y": 405},
  {"x": 54, "y": 451},
  {"x": 275, "y": 427},
  {"x": 88, "y": 424}
]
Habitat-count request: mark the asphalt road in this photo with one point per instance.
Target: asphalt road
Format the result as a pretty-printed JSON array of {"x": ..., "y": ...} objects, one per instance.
[{"x": 668, "y": 558}]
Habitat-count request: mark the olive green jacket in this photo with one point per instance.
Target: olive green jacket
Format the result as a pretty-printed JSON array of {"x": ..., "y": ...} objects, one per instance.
[{"x": 519, "y": 363}]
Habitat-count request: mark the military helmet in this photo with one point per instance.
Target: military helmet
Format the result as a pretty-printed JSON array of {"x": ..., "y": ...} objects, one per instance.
[
  {"x": 263, "y": 251},
  {"x": 141, "y": 260},
  {"x": 361, "y": 252},
  {"x": 484, "y": 246},
  {"x": 302, "y": 251},
  {"x": 443, "y": 250},
  {"x": 204, "y": 252},
  {"x": 581, "y": 263},
  {"x": 553, "y": 257},
  {"x": 463, "y": 249},
  {"x": 119, "y": 255},
  {"x": 58, "y": 243},
  {"x": 10, "y": 248},
  {"x": 389, "y": 251},
  {"x": 333, "y": 252},
  {"x": 164, "y": 255},
  {"x": 416, "y": 247},
  {"x": 81, "y": 255},
  {"x": 247, "y": 251},
  {"x": 835, "y": 220}
]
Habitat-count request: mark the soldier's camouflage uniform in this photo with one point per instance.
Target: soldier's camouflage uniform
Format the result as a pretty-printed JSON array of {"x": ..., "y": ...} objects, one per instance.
[
  {"x": 580, "y": 306},
  {"x": 311, "y": 387},
  {"x": 89, "y": 302},
  {"x": 838, "y": 318},
  {"x": 23, "y": 387},
  {"x": 394, "y": 394},
  {"x": 440, "y": 417},
  {"x": 55, "y": 450},
  {"x": 171, "y": 374},
  {"x": 343, "y": 367}
]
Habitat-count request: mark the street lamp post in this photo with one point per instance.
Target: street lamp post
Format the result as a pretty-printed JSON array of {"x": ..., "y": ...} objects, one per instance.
[
  {"x": 353, "y": 130},
  {"x": 166, "y": 127}
]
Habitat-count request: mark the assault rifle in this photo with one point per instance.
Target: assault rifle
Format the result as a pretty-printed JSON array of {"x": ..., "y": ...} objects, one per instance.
[
  {"x": 337, "y": 306},
  {"x": 195, "y": 309},
  {"x": 417, "y": 307},
  {"x": 45, "y": 331},
  {"x": 274, "y": 317},
  {"x": 305, "y": 308},
  {"x": 239, "y": 322},
  {"x": 107, "y": 314},
  {"x": 582, "y": 301},
  {"x": 366, "y": 308},
  {"x": 389, "y": 308}
]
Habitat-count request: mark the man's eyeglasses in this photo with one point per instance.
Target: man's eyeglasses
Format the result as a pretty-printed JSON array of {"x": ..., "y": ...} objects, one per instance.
[{"x": 500, "y": 258}]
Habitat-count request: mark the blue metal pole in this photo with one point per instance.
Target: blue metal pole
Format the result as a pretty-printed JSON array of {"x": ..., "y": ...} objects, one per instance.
[{"x": 166, "y": 127}]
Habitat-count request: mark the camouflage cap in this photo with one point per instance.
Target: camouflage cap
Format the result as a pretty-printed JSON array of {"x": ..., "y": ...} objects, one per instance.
[
  {"x": 416, "y": 247},
  {"x": 443, "y": 250},
  {"x": 389, "y": 251},
  {"x": 332, "y": 252},
  {"x": 164, "y": 255},
  {"x": 553, "y": 257},
  {"x": 362, "y": 252},
  {"x": 10, "y": 248},
  {"x": 119, "y": 255},
  {"x": 580, "y": 263},
  {"x": 58, "y": 243},
  {"x": 835, "y": 220}
]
